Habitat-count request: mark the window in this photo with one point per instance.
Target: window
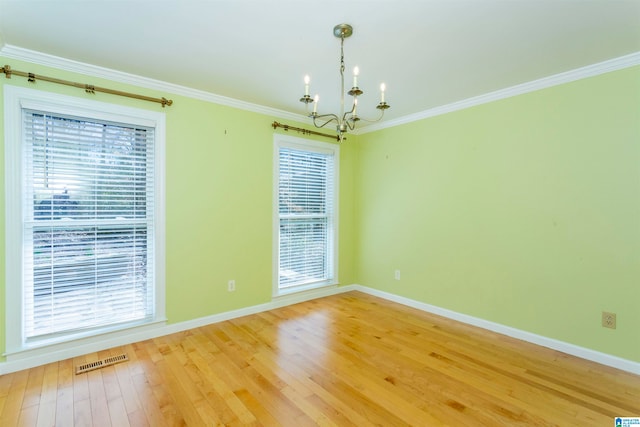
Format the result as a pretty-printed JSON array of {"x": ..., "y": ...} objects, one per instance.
[
  {"x": 306, "y": 176},
  {"x": 88, "y": 214}
]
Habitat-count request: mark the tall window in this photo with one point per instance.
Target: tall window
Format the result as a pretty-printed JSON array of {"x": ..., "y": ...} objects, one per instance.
[
  {"x": 88, "y": 217},
  {"x": 306, "y": 186}
]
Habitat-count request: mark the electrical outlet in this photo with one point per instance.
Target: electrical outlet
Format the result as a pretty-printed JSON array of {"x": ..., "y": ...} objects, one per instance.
[
  {"x": 608, "y": 320},
  {"x": 231, "y": 286},
  {"x": 397, "y": 274}
]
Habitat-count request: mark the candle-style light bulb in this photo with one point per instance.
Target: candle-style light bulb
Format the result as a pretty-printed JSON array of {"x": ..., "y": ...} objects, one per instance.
[
  {"x": 356, "y": 71},
  {"x": 382, "y": 89},
  {"x": 306, "y": 85},
  {"x": 315, "y": 103},
  {"x": 355, "y": 107}
]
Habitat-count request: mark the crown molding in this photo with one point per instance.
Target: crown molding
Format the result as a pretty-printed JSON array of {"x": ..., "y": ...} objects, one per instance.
[
  {"x": 20, "y": 54},
  {"x": 14, "y": 52},
  {"x": 615, "y": 64}
]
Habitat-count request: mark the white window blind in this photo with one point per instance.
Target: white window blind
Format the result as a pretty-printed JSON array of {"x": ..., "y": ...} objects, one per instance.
[
  {"x": 88, "y": 218},
  {"x": 305, "y": 208}
]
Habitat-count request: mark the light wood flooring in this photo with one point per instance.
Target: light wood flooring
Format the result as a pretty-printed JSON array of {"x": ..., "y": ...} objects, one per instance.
[{"x": 349, "y": 359}]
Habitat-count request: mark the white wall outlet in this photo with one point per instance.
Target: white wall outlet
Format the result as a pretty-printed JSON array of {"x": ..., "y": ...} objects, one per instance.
[
  {"x": 231, "y": 286},
  {"x": 397, "y": 275}
]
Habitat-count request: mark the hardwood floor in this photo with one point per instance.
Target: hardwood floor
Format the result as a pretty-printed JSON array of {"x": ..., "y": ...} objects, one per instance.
[{"x": 349, "y": 359}]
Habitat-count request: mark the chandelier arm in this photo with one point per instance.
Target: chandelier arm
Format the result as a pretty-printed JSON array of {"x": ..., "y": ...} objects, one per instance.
[
  {"x": 326, "y": 118},
  {"x": 373, "y": 120},
  {"x": 351, "y": 124},
  {"x": 349, "y": 118}
]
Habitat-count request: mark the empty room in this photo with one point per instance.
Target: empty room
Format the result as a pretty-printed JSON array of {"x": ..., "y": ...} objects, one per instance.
[{"x": 335, "y": 213}]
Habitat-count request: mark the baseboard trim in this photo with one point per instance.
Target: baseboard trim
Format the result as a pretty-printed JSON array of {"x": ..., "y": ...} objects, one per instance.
[
  {"x": 572, "y": 349},
  {"x": 128, "y": 337},
  {"x": 54, "y": 353}
]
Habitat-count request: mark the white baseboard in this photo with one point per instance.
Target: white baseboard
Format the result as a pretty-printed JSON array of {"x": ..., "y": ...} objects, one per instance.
[
  {"x": 572, "y": 349},
  {"x": 53, "y": 353},
  {"x": 60, "y": 352}
]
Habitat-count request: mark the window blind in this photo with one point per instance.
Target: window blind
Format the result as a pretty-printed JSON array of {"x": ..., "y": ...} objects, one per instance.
[
  {"x": 88, "y": 224},
  {"x": 305, "y": 205}
]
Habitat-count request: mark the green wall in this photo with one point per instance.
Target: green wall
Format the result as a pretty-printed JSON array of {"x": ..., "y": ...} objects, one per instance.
[
  {"x": 523, "y": 211},
  {"x": 219, "y": 175}
]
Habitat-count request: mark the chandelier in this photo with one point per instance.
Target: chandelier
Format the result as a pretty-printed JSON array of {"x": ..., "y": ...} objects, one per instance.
[{"x": 346, "y": 120}]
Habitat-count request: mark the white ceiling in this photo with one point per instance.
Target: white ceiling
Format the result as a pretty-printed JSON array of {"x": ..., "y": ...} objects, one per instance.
[{"x": 429, "y": 53}]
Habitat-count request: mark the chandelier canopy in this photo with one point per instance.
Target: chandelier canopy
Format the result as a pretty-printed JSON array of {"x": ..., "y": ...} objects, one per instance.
[{"x": 345, "y": 120}]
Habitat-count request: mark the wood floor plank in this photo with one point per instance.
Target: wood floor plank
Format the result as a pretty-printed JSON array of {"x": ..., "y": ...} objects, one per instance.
[
  {"x": 376, "y": 377},
  {"x": 182, "y": 390},
  {"x": 345, "y": 360},
  {"x": 13, "y": 402},
  {"x": 125, "y": 384},
  {"x": 452, "y": 360},
  {"x": 28, "y": 416},
  {"x": 152, "y": 410},
  {"x": 34, "y": 387},
  {"x": 5, "y": 387},
  {"x": 118, "y": 412},
  {"x": 82, "y": 416},
  {"x": 98, "y": 399},
  {"x": 153, "y": 393},
  {"x": 80, "y": 384},
  {"x": 48, "y": 395},
  {"x": 64, "y": 390},
  {"x": 221, "y": 397},
  {"x": 335, "y": 407}
]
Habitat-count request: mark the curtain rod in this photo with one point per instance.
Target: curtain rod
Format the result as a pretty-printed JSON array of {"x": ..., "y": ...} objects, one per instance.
[
  {"x": 87, "y": 88},
  {"x": 305, "y": 131}
]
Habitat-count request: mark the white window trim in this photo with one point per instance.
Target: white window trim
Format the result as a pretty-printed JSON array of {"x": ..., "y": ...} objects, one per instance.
[
  {"x": 16, "y": 99},
  {"x": 287, "y": 141}
]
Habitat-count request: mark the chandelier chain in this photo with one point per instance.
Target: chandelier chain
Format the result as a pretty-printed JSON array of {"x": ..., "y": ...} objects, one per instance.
[
  {"x": 342, "y": 55},
  {"x": 342, "y": 75}
]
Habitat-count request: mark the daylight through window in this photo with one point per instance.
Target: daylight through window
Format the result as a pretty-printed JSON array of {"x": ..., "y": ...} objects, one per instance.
[
  {"x": 87, "y": 222},
  {"x": 306, "y": 214}
]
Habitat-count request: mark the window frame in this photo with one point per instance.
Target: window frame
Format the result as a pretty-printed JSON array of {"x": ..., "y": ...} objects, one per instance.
[
  {"x": 286, "y": 141},
  {"x": 15, "y": 100}
]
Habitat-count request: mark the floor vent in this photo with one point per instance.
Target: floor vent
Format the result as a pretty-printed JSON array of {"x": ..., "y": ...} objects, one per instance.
[{"x": 101, "y": 363}]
